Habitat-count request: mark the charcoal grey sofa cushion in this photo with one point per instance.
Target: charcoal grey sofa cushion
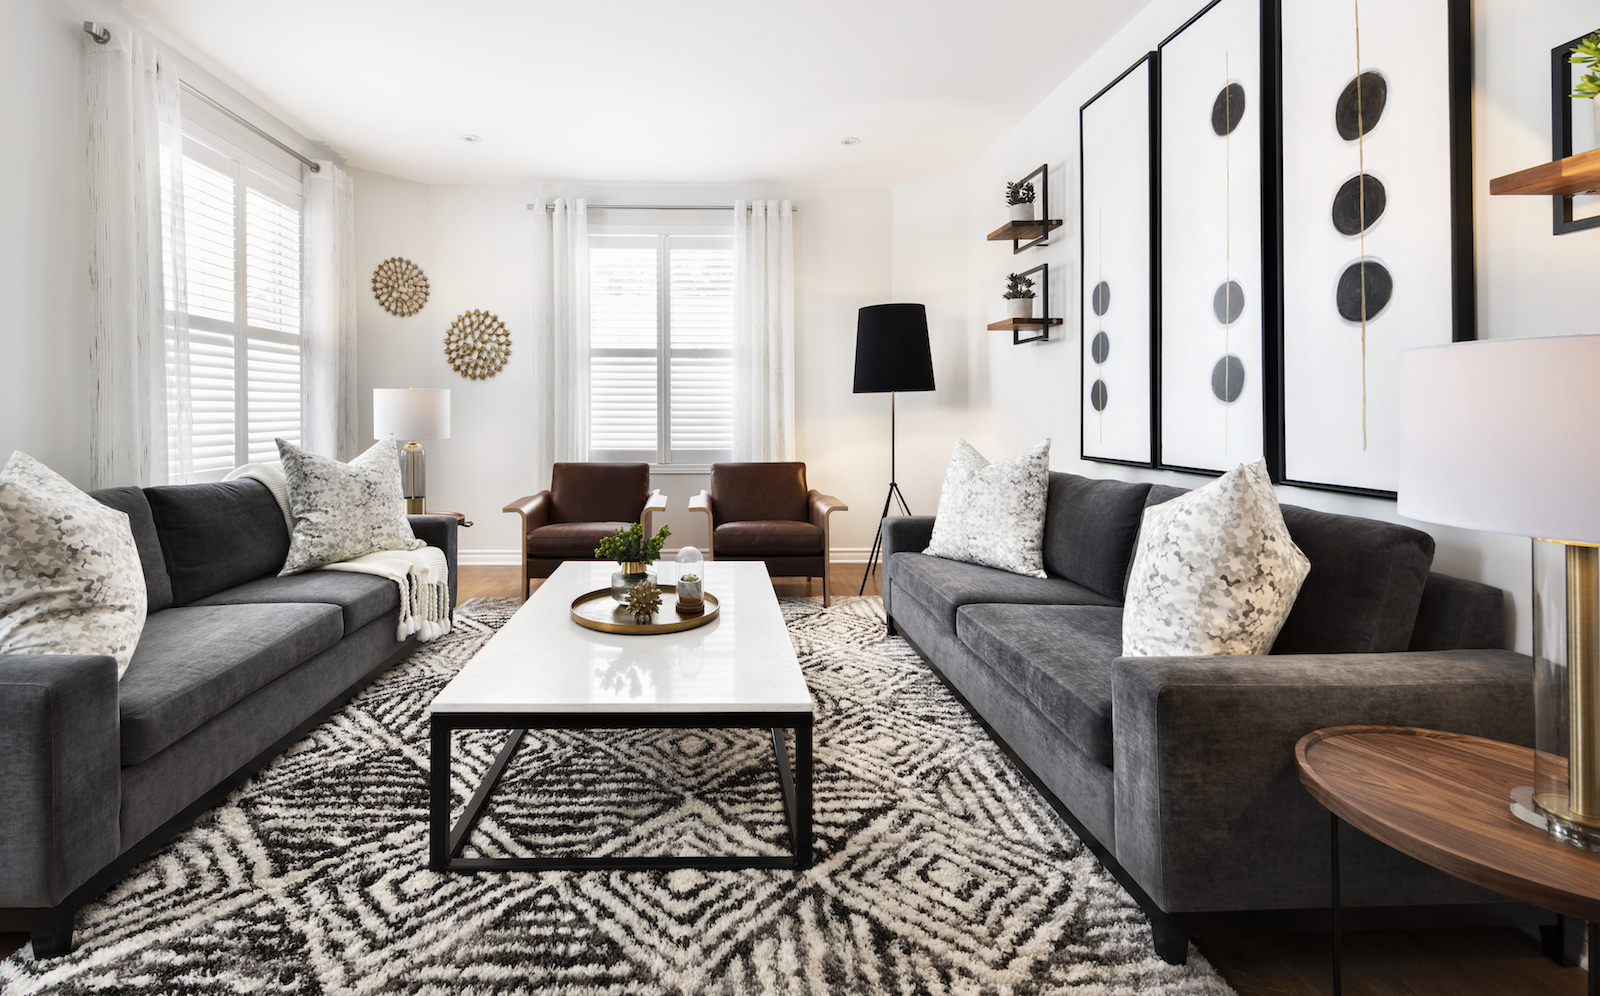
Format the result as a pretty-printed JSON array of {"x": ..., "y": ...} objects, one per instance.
[
  {"x": 943, "y": 586},
  {"x": 1089, "y": 529},
  {"x": 1059, "y": 657},
  {"x": 360, "y": 597},
  {"x": 131, "y": 502},
  {"x": 1457, "y": 613},
  {"x": 195, "y": 662},
  {"x": 215, "y": 536}
]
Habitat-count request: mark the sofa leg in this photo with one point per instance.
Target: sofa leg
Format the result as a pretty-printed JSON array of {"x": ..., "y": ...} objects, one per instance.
[
  {"x": 892, "y": 630},
  {"x": 1171, "y": 943},
  {"x": 54, "y": 940}
]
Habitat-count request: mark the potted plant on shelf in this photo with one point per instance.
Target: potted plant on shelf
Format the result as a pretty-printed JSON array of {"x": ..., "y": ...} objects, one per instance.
[
  {"x": 634, "y": 554},
  {"x": 1019, "y": 196},
  {"x": 1587, "y": 53},
  {"x": 1019, "y": 296}
]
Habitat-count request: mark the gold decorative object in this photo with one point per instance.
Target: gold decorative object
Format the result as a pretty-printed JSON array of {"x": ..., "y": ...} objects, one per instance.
[
  {"x": 597, "y": 611},
  {"x": 477, "y": 344},
  {"x": 643, "y": 600},
  {"x": 400, "y": 286}
]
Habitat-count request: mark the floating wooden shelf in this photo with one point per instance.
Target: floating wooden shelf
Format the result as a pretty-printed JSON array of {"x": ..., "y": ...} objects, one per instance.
[
  {"x": 1013, "y": 231},
  {"x": 1011, "y": 324},
  {"x": 1579, "y": 174}
]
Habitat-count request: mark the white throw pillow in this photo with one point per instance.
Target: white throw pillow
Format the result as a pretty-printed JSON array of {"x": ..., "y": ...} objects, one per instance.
[
  {"x": 993, "y": 513},
  {"x": 344, "y": 510},
  {"x": 1214, "y": 571},
  {"x": 70, "y": 577}
]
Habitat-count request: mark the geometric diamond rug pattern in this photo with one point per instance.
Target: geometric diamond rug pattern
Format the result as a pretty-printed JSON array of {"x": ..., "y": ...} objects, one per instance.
[{"x": 938, "y": 868}]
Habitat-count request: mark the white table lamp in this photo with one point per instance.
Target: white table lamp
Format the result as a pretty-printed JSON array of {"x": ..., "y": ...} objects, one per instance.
[
  {"x": 411, "y": 414},
  {"x": 1503, "y": 435}
]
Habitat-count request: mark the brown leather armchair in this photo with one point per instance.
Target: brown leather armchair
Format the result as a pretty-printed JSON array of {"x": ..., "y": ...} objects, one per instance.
[
  {"x": 586, "y": 502},
  {"x": 763, "y": 511}
]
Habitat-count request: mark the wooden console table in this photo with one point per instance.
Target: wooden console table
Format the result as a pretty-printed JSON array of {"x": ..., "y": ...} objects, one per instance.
[{"x": 1444, "y": 799}]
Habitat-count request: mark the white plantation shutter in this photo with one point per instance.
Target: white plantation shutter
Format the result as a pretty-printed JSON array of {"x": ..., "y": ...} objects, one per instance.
[
  {"x": 242, "y": 260},
  {"x": 661, "y": 348}
]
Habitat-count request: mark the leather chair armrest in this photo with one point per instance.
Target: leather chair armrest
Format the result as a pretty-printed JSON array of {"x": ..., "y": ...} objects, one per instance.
[
  {"x": 821, "y": 506},
  {"x": 702, "y": 503},
  {"x": 657, "y": 502},
  {"x": 534, "y": 509}
]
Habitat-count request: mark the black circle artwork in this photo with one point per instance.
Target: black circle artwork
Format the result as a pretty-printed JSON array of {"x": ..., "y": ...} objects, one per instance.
[
  {"x": 1100, "y": 300},
  {"x": 1379, "y": 288},
  {"x": 1228, "y": 109},
  {"x": 1355, "y": 118},
  {"x": 1097, "y": 395},
  {"x": 1228, "y": 302},
  {"x": 1100, "y": 347},
  {"x": 1227, "y": 379},
  {"x": 1361, "y": 196}
]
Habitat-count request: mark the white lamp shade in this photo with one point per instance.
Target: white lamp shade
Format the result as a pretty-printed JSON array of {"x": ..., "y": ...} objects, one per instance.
[
  {"x": 410, "y": 413},
  {"x": 1503, "y": 435}
]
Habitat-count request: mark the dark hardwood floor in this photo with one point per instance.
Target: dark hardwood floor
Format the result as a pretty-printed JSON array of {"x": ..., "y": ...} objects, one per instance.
[{"x": 1486, "y": 962}]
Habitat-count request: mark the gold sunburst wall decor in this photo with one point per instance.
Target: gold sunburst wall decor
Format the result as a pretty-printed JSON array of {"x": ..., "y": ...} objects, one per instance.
[
  {"x": 477, "y": 344},
  {"x": 400, "y": 286}
]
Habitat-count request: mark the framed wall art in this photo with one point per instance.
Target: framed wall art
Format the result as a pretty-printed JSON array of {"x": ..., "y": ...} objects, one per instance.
[
  {"x": 1116, "y": 145},
  {"x": 1374, "y": 135},
  {"x": 1212, "y": 303}
]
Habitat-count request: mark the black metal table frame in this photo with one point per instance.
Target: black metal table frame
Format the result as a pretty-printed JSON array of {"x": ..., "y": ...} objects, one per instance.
[{"x": 445, "y": 842}]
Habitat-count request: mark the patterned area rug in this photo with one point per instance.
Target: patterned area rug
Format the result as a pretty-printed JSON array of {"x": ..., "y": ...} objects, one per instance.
[{"x": 939, "y": 870}]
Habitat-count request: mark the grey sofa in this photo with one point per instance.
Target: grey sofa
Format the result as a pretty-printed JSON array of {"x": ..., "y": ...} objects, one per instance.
[
  {"x": 234, "y": 665},
  {"x": 1179, "y": 771}
]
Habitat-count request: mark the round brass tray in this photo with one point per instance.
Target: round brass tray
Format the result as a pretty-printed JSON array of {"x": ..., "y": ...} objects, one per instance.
[{"x": 590, "y": 612}]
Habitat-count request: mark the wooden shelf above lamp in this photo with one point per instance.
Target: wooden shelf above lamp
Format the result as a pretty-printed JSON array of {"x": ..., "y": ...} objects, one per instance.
[{"x": 1579, "y": 174}]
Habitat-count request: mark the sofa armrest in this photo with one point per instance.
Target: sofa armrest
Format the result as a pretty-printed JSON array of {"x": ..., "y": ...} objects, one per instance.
[
  {"x": 901, "y": 534},
  {"x": 60, "y": 774},
  {"x": 439, "y": 531},
  {"x": 702, "y": 503},
  {"x": 1210, "y": 812}
]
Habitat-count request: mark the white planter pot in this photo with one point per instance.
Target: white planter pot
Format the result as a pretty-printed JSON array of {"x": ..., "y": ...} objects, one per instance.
[
  {"x": 1021, "y": 212},
  {"x": 1020, "y": 307}
]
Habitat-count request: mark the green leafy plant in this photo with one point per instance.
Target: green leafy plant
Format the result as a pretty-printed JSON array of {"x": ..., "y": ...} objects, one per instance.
[
  {"x": 1017, "y": 286},
  {"x": 1587, "y": 53},
  {"x": 1019, "y": 193},
  {"x": 628, "y": 546},
  {"x": 690, "y": 578}
]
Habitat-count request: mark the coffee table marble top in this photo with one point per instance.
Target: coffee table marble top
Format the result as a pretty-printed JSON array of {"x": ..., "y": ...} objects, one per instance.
[{"x": 543, "y": 662}]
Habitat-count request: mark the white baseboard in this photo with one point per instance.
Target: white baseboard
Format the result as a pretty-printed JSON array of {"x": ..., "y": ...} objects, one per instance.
[{"x": 511, "y": 558}]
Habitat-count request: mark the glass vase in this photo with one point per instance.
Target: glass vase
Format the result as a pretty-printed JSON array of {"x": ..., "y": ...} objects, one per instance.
[{"x": 631, "y": 574}]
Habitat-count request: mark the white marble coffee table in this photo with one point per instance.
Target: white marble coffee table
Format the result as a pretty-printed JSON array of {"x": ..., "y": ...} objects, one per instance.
[{"x": 544, "y": 671}]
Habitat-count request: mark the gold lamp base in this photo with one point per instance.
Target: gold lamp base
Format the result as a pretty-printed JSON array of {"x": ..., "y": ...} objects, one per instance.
[
  {"x": 1566, "y": 649},
  {"x": 413, "y": 478}
]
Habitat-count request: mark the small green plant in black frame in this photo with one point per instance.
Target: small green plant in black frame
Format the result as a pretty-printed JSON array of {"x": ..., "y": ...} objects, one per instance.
[{"x": 1017, "y": 286}]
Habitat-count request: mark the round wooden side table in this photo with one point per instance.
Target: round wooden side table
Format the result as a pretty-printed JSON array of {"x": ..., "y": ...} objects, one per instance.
[{"x": 1444, "y": 799}]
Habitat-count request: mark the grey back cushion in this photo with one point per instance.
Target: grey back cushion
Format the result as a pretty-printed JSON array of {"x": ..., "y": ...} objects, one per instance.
[
  {"x": 131, "y": 502},
  {"x": 1089, "y": 529},
  {"x": 1365, "y": 585},
  {"x": 215, "y": 536}
]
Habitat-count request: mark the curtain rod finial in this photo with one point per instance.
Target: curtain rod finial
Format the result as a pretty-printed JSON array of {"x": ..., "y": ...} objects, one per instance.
[{"x": 99, "y": 34}]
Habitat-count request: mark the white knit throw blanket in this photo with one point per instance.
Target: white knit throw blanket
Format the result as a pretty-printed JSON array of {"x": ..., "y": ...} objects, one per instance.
[{"x": 423, "y": 575}]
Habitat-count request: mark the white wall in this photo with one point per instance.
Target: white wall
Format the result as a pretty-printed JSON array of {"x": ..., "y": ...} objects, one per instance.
[
  {"x": 1529, "y": 282},
  {"x": 476, "y": 245}
]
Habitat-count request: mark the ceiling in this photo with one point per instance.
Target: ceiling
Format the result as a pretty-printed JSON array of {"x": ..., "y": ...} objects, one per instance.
[{"x": 646, "y": 90}]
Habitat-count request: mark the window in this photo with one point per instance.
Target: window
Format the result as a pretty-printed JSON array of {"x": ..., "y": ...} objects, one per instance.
[
  {"x": 241, "y": 237},
  {"x": 661, "y": 348}
]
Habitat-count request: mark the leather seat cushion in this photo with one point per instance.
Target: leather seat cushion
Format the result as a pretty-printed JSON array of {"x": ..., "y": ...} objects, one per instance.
[
  {"x": 192, "y": 663},
  {"x": 943, "y": 586},
  {"x": 1058, "y": 657},
  {"x": 570, "y": 540},
  {"x": 361, "y": 598},
  {"x": 768, "y": 537}
]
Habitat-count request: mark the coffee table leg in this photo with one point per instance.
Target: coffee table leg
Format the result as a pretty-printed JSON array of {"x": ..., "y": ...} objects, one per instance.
[
  {"x": 802, "y": 778},
  {"x": 1593, "y": 931},
  {"x": 1338, "y": 982},
  {"x": 438, "y": 796}
]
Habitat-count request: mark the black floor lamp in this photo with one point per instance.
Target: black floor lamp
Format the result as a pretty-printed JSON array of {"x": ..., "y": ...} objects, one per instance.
[{"x": 892, "y": 355}]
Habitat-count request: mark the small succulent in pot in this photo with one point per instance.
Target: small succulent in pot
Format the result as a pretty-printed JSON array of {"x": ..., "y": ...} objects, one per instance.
[
  {"x": 1019, "y": 296},
  {"x": 691, "y": 592},
  {"x": 1019, "y": 197},
  {"x": 1587, "y": 53}
]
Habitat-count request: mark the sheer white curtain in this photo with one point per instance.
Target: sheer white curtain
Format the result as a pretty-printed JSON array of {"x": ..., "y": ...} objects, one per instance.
[
  {"x": 139, "y": 429},
  {"x": 763, "y": 350},
  {"x": 328, "y": 344},
  {"x": 560, "y": 334}
]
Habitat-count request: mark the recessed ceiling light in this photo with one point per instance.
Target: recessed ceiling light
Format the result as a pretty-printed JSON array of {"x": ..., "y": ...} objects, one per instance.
[
  {"x": 471, "y": 138},
  {"x": 849, "y": 141}
]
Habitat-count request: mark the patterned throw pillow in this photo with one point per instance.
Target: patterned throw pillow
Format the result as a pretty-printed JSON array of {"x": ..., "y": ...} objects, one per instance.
[
  {"x": 344, "y": 510},
  {"x": 1214, "y": 571},
  {"x": 70, "y": 577},
  {"x": 993, "y": 513}
]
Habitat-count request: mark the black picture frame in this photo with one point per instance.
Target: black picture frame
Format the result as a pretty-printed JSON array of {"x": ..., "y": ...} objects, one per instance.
[
  {"x": 1462, "y": 268},
  {"x": 1043, "y": 269},
  {"x": 1562, "y": 222},
  {"x": 1152, "y": 62}
]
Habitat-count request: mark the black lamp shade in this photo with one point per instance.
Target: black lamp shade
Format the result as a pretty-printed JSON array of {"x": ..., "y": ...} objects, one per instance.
[{"x": 892, "y": 351}]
